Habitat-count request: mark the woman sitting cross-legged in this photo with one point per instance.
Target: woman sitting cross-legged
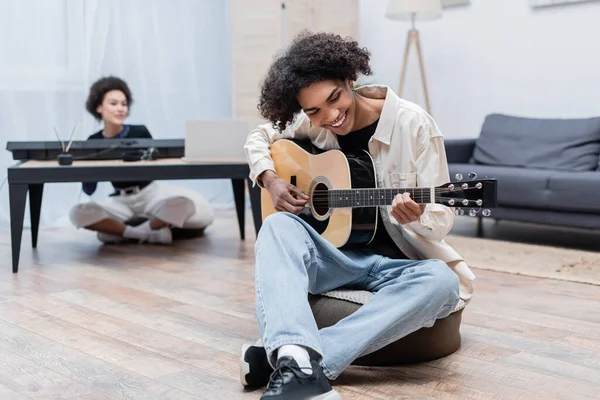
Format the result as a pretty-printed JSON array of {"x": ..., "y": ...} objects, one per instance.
[{"x": 162, "y": 205}]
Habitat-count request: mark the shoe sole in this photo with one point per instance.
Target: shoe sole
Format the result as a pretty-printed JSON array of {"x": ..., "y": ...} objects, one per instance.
[
  {"x": 333, "y": 395},
  {"x": 244, "y": 366}
]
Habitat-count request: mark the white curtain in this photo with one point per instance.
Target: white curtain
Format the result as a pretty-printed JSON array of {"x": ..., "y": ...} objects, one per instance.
[{"x": 175, "y": 56}]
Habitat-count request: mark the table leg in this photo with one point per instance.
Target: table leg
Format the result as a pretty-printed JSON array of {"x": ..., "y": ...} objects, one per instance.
[
  {"x": 35, "y": 207},
  {"x": 17, "y": 197},
  {"x": 255, "y": 204},
  {"x": 240, "y": 206}
]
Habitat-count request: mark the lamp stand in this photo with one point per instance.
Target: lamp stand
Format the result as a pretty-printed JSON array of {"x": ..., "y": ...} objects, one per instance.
[{"x": 413, "y": 38}]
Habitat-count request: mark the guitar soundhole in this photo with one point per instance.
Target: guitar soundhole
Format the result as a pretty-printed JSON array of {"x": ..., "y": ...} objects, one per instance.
[{"x": 320, "y": 202}]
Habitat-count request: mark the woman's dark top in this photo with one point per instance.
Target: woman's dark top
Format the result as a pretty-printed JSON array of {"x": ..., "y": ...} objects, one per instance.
[{"x": 129, "y": 131}]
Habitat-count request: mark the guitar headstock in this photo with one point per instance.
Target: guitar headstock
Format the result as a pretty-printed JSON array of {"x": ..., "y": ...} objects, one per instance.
[{"x": 479, "y": 194}]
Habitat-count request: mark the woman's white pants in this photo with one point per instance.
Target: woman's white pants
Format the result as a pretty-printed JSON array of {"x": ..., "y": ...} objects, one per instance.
[{"x": 175, "y": 205}]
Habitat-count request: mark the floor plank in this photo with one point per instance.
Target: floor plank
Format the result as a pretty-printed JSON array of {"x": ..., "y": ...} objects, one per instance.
[
  {"x": 111, "y": 350},
  {"x": 83, "y": 320},
  {"x": 21, "y": 378},
  {"x": 83, "y": 368}
]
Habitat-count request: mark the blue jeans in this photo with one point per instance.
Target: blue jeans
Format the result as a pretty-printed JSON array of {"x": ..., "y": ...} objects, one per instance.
[{"x": 292, "y": 260}]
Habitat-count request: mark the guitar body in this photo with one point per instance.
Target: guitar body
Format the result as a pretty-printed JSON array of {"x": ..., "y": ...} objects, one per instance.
[{"x": 315, "y": 173}]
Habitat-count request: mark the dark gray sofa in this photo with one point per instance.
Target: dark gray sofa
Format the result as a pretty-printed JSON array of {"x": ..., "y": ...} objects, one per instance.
[{"x": 548, "y": 170}]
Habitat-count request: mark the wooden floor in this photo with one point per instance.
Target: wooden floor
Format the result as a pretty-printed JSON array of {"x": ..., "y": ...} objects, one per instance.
[{"x": 86, "y": 321}]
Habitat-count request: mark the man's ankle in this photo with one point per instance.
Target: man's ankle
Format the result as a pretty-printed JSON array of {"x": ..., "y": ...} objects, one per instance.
[{"x": 299, "y": 354}]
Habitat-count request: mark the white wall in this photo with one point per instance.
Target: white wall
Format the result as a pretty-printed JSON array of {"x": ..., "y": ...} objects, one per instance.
[
  {"x": 494, "y": 56},
  {"x": 175, "y": 56}
]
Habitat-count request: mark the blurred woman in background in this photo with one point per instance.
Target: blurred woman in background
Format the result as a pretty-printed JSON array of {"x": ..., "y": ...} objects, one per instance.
[{"x": 161, "y": 205}]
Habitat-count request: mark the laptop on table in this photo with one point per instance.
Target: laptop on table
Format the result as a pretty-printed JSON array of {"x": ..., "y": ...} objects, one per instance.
[{"x": 215, "y": 140}]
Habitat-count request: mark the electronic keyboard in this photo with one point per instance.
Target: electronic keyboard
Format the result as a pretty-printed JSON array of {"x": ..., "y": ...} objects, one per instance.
[{"x": 95, "y": 149}]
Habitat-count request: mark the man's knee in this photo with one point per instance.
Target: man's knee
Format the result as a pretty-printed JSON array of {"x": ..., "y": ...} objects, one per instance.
[
  {"x": 282, "y": 225},
  {"x": 86, "y": 214},
  {"x": 280, "y": 222},
  {"x": 444, "y": 281}
]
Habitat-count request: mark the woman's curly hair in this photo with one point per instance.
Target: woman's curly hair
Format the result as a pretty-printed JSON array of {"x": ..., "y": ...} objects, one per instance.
[
  {"x": 100, "y": 88},
  {"x": 310, "y": 58}
]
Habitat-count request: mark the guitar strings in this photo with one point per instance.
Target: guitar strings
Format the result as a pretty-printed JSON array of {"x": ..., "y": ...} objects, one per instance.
[
  {"x": 322, "y": 199},
  {"x": 386, "y": 201},
  {"x": 389, "y": 203},
  {"x": 363, "y": 190},
  {"x": 329, "y": 197},
  {"x": 385, "y": 198},
  {"x": 351, "y": 193}
]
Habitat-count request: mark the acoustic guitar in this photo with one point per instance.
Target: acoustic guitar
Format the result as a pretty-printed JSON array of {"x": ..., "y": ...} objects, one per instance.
[{"x": 343, "y": 193}]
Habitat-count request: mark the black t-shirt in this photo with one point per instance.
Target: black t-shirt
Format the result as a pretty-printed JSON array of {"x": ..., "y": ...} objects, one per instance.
[
  {"x": 353, "y": 143},
  {"x": 129, "y": 131}
]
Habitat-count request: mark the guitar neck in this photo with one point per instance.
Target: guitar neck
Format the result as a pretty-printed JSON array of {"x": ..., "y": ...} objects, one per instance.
[{"x": 343, "y": 198}]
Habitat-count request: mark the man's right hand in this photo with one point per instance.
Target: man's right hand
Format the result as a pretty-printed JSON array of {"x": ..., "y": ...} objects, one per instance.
[{"x": 282, "y": 193}]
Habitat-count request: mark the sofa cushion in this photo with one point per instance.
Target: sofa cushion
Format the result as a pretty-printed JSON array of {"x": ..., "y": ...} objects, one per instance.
[
  {"x": 560, "y": 144},
  {"x": 575, "y": 191},
  {"x": 517, "y": 187},
  {"x": 539, "y": 188}
]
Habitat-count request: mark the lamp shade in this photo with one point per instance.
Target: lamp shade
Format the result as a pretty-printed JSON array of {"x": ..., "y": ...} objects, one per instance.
[{"x": 420, "y": 9}]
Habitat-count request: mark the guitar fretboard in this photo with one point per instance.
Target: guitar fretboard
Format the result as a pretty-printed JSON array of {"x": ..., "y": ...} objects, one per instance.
[{"x": 375, "y": 197}]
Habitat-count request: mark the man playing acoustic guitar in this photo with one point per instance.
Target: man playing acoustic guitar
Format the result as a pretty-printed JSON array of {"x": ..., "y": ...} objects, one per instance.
[{"x": 415, "y": 276}]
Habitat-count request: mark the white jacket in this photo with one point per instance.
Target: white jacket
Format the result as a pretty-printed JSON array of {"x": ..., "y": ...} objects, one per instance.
[{"x": 408, "y": 150}]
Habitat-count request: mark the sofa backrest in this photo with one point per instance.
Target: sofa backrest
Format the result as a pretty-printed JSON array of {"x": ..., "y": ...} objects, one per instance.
[{"x": 562, "y": 144}]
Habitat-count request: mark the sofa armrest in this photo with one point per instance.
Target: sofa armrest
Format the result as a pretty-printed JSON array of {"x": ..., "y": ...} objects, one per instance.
[{"x": 459, "y": 151}]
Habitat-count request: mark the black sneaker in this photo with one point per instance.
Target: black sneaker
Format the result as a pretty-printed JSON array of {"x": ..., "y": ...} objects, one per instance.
[
  {"x": 254, "y": 366},
  {"x": 288, "y": 382}
]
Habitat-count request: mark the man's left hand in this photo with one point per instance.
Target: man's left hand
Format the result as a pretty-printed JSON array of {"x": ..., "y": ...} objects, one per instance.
[{"x": 405, "y": 210}]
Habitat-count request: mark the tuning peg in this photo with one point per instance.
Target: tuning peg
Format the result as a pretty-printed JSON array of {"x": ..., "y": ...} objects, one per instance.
[
  {"x": 465, "y": 202},
  {"x": 486, "y": 212},
  {"x": 472, "y": 212},
  {"x": 458, "y": 177},
  {"x": 459, "y": 211},
  {"x": 472, "y": 175}
]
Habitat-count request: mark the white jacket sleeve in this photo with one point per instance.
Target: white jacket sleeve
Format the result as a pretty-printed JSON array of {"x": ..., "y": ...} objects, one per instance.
[
  {"x": 257, "y": 150},
  {"x": 260, "y": 139},
  {"x": 432, "y": 170}
]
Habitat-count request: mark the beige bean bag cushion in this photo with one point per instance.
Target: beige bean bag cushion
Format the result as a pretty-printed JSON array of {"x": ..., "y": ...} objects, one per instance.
[{"x": 426, "y": 344}]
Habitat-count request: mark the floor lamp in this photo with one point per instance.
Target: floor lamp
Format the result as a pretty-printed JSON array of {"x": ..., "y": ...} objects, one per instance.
[{"x": 412, "y": 10}]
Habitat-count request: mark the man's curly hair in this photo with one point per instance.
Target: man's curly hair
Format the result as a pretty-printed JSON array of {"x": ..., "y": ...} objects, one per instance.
[
  {"x": 100, "y": 88},
  {"x": 310, "y": 58}
]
